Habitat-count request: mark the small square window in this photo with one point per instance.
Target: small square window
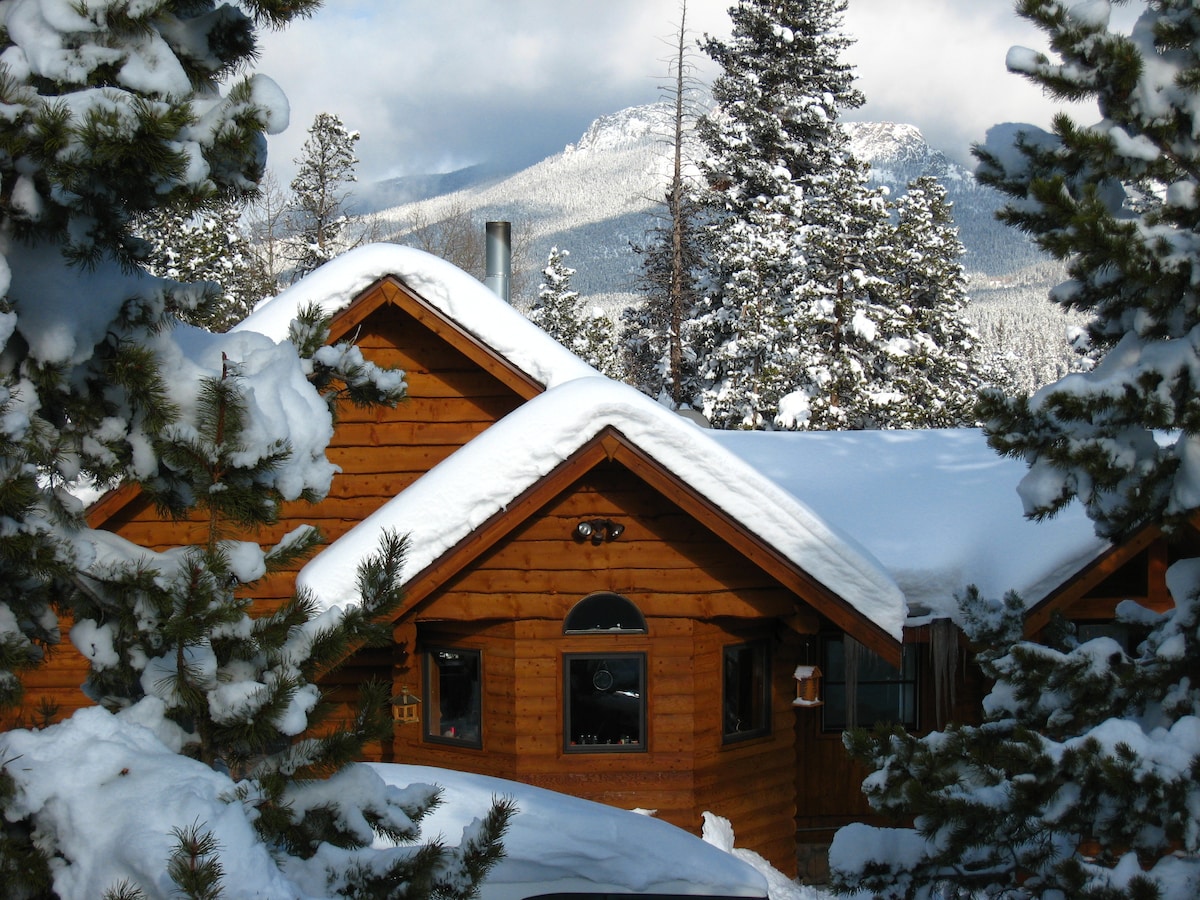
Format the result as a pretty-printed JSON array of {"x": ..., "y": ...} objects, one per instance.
[
  {"x": 1120, "y": 632},
  {"x": 746, "y": 708},
  {"x": 453, "y": 697},
  {"x": 604, "y": 701}
]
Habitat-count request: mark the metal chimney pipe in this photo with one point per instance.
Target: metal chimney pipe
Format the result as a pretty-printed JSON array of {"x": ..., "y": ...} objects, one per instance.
[{"x": 498, "y": 275}]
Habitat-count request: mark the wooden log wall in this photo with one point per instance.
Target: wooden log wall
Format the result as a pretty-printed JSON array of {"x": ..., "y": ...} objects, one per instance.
[
  {"x": 751, "y": 782},
  {"x": 683, "y": 580},
  {"x": 381, "y": 451}
]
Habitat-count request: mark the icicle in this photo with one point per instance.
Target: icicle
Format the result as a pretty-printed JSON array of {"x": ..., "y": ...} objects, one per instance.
[
  {"x": 943, "y": 653},
  {"x": 852, "y": 650}
]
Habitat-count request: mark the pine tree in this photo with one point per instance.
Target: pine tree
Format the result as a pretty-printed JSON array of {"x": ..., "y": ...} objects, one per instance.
[
  {"x": 929, "y": 356},
  {"x": 237, "y": 685},
  {"x": 555, "y": 311},
  {"x": 1082, "y": 780},
  {"x": 586, "y": 332},
  {"x": 320, "y": 200},
  {"x": 845, "y": 316},
  {"x": 790, "y": 220},
  {"x": 114, "y": 111}
]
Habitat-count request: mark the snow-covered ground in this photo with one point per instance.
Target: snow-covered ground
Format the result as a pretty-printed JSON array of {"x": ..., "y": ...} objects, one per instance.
[
  {"x": 111, "y": 792},
  {"x": 564, "y": 844}
]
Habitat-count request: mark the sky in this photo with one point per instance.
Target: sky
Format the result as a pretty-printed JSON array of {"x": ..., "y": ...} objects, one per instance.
[{"x": 433, "y": 87}]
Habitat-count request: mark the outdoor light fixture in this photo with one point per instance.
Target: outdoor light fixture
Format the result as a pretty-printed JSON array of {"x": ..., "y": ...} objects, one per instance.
[{"x": 598, "y": 530}]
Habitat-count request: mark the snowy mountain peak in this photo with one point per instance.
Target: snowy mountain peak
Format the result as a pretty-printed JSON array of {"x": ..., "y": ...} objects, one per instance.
[
  {"x": 899, "y": 153},
  {"x": 623, "y": 129}
]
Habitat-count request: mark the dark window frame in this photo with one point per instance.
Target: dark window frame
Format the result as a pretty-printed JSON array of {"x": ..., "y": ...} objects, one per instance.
[
  {"x": 760, "y": 660},
  {"x": 578, "y": 744},
  {"x": 430, "y": 701},
  {"x": 833, "y": 678}
]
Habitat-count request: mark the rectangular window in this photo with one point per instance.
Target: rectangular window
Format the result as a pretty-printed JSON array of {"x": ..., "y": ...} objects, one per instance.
[
  {"x": 604, "y": 701},
  {"x": 747, "y": 694},
  {"x": 453, "y": 709},
  {"x": 1120, "y": 632},
  {"x": 883, "y": 693}
]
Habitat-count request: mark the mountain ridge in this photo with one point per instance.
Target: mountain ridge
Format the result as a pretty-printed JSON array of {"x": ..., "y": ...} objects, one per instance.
[{"x": 599, "y": 195}]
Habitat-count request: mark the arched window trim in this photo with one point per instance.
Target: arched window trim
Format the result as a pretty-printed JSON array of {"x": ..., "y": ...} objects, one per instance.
[{"x": 607, "y": 613}]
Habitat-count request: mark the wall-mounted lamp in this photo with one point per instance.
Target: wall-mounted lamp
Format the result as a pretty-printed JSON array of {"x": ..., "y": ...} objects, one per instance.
[{"x": 598, "y": 530}]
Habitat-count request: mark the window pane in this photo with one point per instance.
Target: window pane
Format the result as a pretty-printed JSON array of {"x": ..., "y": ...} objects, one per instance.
[
  {"x": 1118, "y": 631},
  {"x": 747, "y": 691},
  {"x": 884, "y": 694},
  {"x": 452, "y": 701},
  {"x": 604, "y": 611},
  {"x": 605, "y": 701}
]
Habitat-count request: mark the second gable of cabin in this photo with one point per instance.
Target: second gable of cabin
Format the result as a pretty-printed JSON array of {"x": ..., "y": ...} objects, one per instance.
[{"x": 451, "y": 399}]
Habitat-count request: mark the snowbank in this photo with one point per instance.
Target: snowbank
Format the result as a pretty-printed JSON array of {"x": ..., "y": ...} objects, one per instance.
[
  {"x": 110, "y": 792},
  {"x": 562, "y": 844}
]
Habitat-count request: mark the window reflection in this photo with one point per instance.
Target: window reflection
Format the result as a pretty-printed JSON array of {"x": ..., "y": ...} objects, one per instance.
[
  {"x": 746, "y": 707},
  {"x": 605, "y": 706},
  {"x": 452, "y": 696}
]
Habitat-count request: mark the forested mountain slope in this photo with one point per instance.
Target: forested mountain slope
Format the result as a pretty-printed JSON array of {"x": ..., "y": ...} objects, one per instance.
[{"x": 599, "y": 195}]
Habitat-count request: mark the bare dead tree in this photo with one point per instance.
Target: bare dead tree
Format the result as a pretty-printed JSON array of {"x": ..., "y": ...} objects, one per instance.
[
  {"x": 452, "y": 230},
  {"x": 653, "y": 332}
]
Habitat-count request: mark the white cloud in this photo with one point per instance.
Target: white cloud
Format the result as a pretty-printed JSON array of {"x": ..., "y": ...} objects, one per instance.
[{"x": 439, "y": 85}]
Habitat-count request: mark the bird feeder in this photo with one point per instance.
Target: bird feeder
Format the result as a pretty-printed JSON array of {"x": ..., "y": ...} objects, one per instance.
[
  {"x": 808, "y": 686},
  {"x": 405, "y": 708}
]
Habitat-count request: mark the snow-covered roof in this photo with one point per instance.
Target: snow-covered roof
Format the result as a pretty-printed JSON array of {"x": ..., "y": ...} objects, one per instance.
[
  {"x": 448, "y": 289},
  {"x": 897, "y": 523},
  {"x": 938, "y": 509},
  {"x": 444, "y": 506}
]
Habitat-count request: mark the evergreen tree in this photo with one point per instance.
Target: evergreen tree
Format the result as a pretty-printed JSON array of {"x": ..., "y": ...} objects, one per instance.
[
  {"x": 556, "y": 310},
  {"x": 237, "y": 686},
  {"x": 1082, "y": 780},
  {"x": 320, "y": 199},
  {"x": 793, "y": 277},
  {"x": 113, "y": 111},
  {"x": 844, "y": 321},
  {"x": 929, "y": 361},
  {"x": 588, "y": 333},
  {"x": 209, "y": 245}
]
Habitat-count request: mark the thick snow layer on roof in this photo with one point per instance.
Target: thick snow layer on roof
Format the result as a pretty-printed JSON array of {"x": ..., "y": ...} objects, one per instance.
[
  {"x": 447, "y": 288},
  {"x": 563, "y": 844},
  {"x": 939, "y": 509},
  {"x": 460, "y": 494}
]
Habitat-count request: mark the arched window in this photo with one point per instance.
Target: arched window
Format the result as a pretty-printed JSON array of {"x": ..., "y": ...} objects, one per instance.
[{"x": 604, "y": 612}]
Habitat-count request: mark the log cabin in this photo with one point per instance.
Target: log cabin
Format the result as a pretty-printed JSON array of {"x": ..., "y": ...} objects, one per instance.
[{"x": 606, "y": 599}]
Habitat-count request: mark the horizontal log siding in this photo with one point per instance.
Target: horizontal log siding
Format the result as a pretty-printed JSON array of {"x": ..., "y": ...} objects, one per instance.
[
  {"x": 380, "y": 451},
  {"x": 660, "y": 778},
  {"x": 683, "y": 579},
  {"x": 751, "y": 783},
  {"x": 665, "y": 562},
  {"x": 495, "y": 641}
]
